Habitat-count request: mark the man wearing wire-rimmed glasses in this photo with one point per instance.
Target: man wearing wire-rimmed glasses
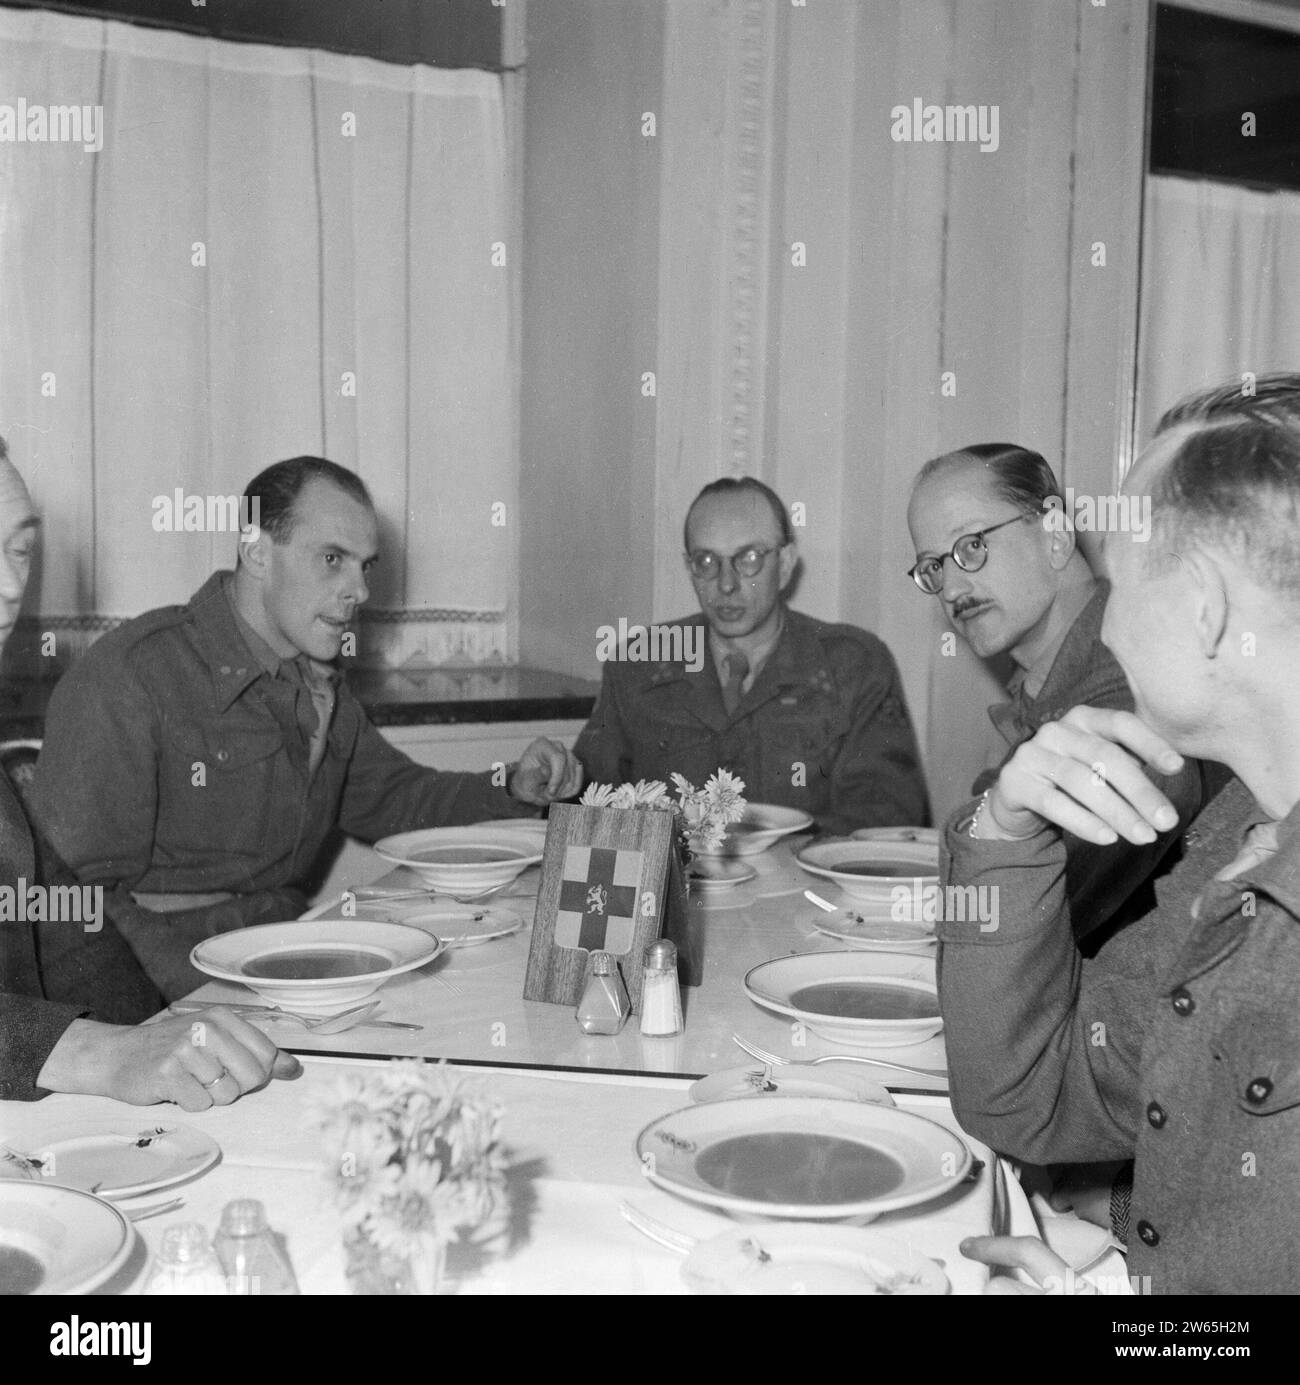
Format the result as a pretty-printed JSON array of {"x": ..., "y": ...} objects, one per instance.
[{"x": 810, "y": 715}]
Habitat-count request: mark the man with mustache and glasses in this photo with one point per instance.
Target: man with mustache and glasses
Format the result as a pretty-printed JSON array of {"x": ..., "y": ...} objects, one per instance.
[
  {"x": 810, "y": 715},
  {"x": 992, "y": 543},
  {"x": 197, "y": 759}
]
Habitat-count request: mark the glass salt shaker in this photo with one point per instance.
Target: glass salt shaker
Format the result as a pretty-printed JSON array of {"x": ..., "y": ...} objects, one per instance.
[
  {"x": 250, "y": 1253},
  {"x": 661, "y": 997},
  {"x": 185, "y": 1263},
  {"x": 604, "y": 1006}
]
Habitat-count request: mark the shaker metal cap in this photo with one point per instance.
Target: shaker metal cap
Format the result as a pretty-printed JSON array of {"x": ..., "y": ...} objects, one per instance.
[
  {"x": 661, "y": 955},
  {"x": 602, "y": 964}
]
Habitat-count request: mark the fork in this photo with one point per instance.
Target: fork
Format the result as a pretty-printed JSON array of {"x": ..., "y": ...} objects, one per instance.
[
  {"x": 656, "y": 1230},
  {"x": 764, "y": 1056}
]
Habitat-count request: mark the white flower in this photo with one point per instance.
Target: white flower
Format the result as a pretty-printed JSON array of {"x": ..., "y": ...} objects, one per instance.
[
  {"x": 650, "y": 791},
  {"x": 597, "y": 795},
  {"x": 624, "y": 797}
]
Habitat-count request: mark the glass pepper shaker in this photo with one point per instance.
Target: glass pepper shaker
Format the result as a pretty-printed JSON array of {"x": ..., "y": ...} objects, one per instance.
[
  {"x": 661, "y": 997},
  {"x": 604, "y": 1006},
  {"x": 185, "y": 1263},
  {"x": 250, "y": 1253}
]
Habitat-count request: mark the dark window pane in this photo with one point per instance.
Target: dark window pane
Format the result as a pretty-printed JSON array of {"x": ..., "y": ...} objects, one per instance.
[
  {"x": 440, "y": 33},
  {"x": 1208, "y": 73}
]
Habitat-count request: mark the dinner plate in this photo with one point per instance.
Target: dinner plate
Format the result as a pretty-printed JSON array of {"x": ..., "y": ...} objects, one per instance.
[
  {"x": 909, "y": 897},
  {"x": 758, "y": 1081},
  {"x": 117, "y": 1159},
  {"x": 463, "y": 861},
  {"x": 56, "y": 1240},
  {"x": 384, "y": 950},
  {"x": 810, "y": 1260},
  {"x": 876, "y": 933},
  {"x": 762, "y": 825},
  {"x": 805, "y": 1157},
  {"x": 798, "y": 988},
  {"x": 464, "y": 925},
  {"x": 718, "y": 873}
]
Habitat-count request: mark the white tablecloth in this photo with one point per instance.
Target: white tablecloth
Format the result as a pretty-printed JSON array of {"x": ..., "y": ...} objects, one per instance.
[
  {"x": 470, "y": 999},
  {"x": 572, "y": 1144}
]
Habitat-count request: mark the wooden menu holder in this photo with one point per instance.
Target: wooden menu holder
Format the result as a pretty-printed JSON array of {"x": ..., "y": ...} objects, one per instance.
[{"x": 612, "y": 881}]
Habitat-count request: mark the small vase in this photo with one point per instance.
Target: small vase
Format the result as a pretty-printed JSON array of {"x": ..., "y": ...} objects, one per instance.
[{"x": 371, "y": 1270}]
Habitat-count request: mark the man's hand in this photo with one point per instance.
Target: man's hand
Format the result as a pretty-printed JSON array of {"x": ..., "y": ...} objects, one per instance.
[
  {"x": 545, "y": 773},
  {"x": 1050, "y": 1273},
  {"x": 1084, "y": 773},
  {"x": 208, "y": 1059}
]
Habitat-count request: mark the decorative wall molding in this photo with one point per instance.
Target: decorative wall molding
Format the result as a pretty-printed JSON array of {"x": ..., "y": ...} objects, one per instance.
[
  {"x": 415, "y": 637},
  {"x": 752, "y": 59}
]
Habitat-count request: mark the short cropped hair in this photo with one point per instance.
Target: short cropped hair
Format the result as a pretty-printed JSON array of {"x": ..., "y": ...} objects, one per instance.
[
  {"x": 1018, "y": 475},
  {"x": 1234, "y": 483},
  {"x": 276, "y": 491},
  {"x": 733, "y": 485}
]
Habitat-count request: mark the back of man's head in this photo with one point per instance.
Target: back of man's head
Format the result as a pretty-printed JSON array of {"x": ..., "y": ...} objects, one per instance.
[
  {"x": 728, "y": 486},
  {"x": 271, "y": 495},
  {"x": 1233, "y": 482}
]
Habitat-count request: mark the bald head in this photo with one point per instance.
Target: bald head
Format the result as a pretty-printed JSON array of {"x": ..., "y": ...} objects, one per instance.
[{"x": 1223, "y": 474}]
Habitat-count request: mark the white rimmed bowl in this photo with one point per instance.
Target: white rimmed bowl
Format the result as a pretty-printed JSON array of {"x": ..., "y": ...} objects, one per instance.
[
  {"x": 909, "y": 897},
  {"x": 431, "y": 853},
  {"x": 76, "y": 1239},
  {"x": 781, "y": 986},
  {"x": 392, "y": 948},
  {"x": 762, "y": 825}
]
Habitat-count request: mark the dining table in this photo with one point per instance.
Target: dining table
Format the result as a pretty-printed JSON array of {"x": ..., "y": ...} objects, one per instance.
[
  {"x": 469, "y": 1001},
  {"x": 573, "y": 1105}
]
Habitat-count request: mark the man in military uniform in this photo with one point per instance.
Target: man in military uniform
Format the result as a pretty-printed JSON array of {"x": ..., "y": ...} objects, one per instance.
[{"x": 809, "y": 714}]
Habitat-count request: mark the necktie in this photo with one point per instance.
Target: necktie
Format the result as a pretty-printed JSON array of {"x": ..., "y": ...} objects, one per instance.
[
  {"x": 737, "y": 667},
  {"x": 314, "y": 717}
]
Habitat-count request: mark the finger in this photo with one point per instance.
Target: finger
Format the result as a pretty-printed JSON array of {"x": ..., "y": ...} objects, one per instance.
[
  {"x": 178, "y": 1083},
  {"x": 1026, "y": 1253},
  {"x": 1119, "y": 771},
  {"x": 210, "y": 1073},
  {"x": 1128, "y": 730},
  {"x": 286, "y": 1065},
  {"x": 235, "y": 1046}
]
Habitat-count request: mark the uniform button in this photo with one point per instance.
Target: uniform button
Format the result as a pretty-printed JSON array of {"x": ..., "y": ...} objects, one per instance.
[
  {"x": 225, "y": 668},
  {"x": 1258, "y": 1091},
  {"x": 223, "y": 755},
  {"x": 1147, "y": 1233},
  {"x": 1182, "y": 1002},
  {"x": 1156, "y": 1115}
]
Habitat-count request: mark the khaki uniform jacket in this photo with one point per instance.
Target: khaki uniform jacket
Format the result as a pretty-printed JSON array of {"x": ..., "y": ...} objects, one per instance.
[{"x": 823, "y": 728}]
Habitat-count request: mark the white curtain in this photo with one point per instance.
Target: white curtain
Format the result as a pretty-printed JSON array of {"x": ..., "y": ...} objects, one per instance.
[
  {"x": 275, "y": 252},
  {"x": 1221, "y": 266}
]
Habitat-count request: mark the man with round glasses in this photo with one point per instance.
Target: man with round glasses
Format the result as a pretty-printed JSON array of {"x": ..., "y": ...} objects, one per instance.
[
  {"x": 993, "y": 544},
  {"x": 810, "y": 715}
]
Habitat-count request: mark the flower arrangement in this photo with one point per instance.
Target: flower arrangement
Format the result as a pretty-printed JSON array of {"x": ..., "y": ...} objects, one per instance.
[
  {"x": 702, "y": 814},
  {"x": 415, "y": 1159}
]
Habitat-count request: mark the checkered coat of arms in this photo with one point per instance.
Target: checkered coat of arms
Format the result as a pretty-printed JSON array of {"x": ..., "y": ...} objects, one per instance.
[{"x": 611, "y": 882}]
